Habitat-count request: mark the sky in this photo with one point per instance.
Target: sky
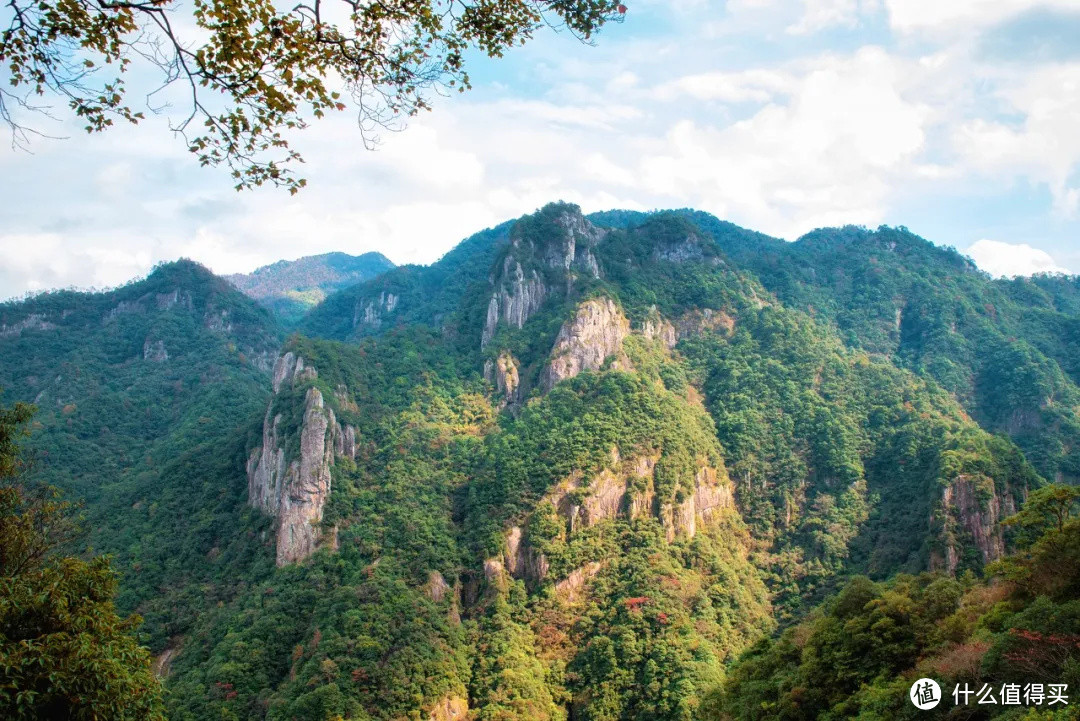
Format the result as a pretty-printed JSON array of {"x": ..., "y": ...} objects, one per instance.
[{"x": 955, "y": 118}]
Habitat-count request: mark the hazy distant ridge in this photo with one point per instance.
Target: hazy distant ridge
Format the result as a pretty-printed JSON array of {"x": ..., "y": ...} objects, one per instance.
[{"x": 290, "y": 287}]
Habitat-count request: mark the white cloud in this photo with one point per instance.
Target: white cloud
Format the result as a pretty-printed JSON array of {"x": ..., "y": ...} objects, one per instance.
[
  {"x": 948, "y": 16},
  {"x": 741, "y": 110},
  {"x": 1044, "y": 146},
  {"x": 1011, "y": 259},
  {"x": 821, "y": 14},
  {"x": 42, "y": 261},
  {"x": 826, "y": 155},
  {"x": 757, "y": 85}
]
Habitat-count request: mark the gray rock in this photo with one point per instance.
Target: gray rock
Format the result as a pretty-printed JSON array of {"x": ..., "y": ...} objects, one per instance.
[
  {"x": 596, "y": 332},
  {"x": 34, "y": 321},
  {"x": 154, "y": 351},
  {"x": 502, "y": 372},
  {"x": 295, "y": 490}
]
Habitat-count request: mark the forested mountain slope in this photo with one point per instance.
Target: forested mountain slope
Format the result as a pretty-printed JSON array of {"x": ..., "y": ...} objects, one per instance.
[
  {"x": 1008, "y": 349},
  {"x": 292, "y": 287},
  {"x": 572, "y": 470},
  {"x": 144, "y": 397}
]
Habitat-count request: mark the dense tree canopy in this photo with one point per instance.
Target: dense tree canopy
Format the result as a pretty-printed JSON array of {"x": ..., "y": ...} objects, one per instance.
[
  {"x": 857, "y": 655},
  {"x": 64, "y": 652},
  {"x": 253, "y": 70},
  {"x": 763, "y": 450}
]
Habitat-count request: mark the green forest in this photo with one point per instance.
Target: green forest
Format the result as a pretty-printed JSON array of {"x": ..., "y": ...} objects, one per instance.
[{"x": 624, "y": 466}]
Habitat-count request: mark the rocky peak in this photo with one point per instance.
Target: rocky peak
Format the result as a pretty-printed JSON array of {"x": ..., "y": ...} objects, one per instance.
[
  {"x": 573, "y": 247},
  {"x": 585, "y": 342},
  {"x": 548, "y": 251},
  {"x": 294, "y": 490},
  {"x": 290, "y": 368}
]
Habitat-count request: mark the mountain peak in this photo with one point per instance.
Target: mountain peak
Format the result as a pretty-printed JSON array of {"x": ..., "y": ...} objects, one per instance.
[{"x": 291, "y": 287}]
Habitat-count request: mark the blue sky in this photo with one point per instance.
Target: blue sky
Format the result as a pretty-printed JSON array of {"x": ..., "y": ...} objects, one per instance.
[{"x": 955, "y": 118}]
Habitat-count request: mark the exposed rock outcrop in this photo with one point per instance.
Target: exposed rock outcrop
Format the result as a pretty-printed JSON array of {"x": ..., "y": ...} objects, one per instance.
[
  {"x": 162, "y": 663},
  {"x": 370, "y": 311},
  {"x": 451, "y": 708},
  {"x": 596, "y": 332},
  {"x": 34, "y": 321},
  {"x": 218, "y": 322},
  {"x": 574, "y": 249},
  {"x": 689, "y": 324},
  {"x": 521, "y": 560},
  {"x": 154, "y": 351},
  {"x": 264, "y": 360},
  {"x": 165, "y": 301},
  {"x": 571, "y": 588},
  {"x": 290, "y": 368},
  {"x": 698, "y": 321},
  {"x": 502, "y": 372},
  {"x": 436, "y": 587},
  {"x": 627, "y": 489},
  {"x": 493, "y": 569},
  {"x": 976, "y": 515},
  {"x": 688, "y": 249},
  {"x": 660, "y": 329},
  {"x": 306, "y": 487},
  {"x": 709, "y": 497},
  {"x": 517, "y": 298},
  {"x": 563, "y": 243},
  {"x": 295, "y": 490},
  {"x": 159, "y": 301}
]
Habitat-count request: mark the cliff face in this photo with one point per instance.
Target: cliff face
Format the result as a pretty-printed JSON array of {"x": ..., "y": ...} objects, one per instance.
[
  {"x": 503, "y": 374},
  {"x": 517, "y": 297},
  {"x": 626, "y": 490},
  {"x": 370, "y": 312},
  {"x": 34, "y": 321},
  {"x": 573, "y": 248},
  {"x": 294, "y": 490},
  {"x": 692, "y": 323},
  {"x": 976, "y": 514},
  {"x": 585, "y": 342},
  {"x": 539, "y": 265}
]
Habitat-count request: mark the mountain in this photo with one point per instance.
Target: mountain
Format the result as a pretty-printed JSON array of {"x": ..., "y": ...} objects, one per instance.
[
  {"x": 145, "y": 396},
  {"x": 580, "y": 467},
  {"x": 291, "y": 287}
]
